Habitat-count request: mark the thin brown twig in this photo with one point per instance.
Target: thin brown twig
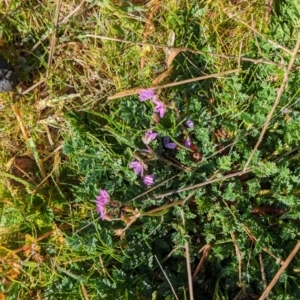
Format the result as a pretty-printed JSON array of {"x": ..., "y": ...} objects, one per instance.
[
  {"x": 206, "y": 250},
  {"x": 50, "y": 140},
  {"x": 262, "y": 271},
  {"x": 279, "y": 94},
  {"x": 280, "y": 271}
]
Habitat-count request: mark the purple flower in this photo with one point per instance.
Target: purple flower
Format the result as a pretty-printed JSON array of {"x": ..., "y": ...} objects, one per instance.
[
  {"x": 137, "y": 167},
  {"x": 189, "y": 123},
  {"x": 146, "y": 94},
  {"x": 101, "y": 201},
  {"x": 149, "y": 137},
  {"x": 149, "y": 179},
  {"x": 159, "y": 107},
  {"x": 188, "y": 143},
  {"x": 169, "y": 144}
]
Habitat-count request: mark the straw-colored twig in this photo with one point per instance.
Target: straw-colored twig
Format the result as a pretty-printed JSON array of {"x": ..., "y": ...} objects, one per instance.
[
  {"x": 280, "y": 271},
  {"x": 50, "y": 140},
  {"x": 33, "y": 86},
  {"x": 209, "y": 181},
  {"x": 279, "y": 94},
  {"x": 262, "y": 271},
  {"x": 187, "y": 250},
  {"x": 239, "y": 257},
  {"x": 101, "y": 37},
  {"x": 158, "y": 87}
]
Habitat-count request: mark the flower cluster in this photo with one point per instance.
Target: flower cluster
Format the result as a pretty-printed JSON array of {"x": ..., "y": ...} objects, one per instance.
[
  {"x": 160, "y": 108},
  {"x": 149, "y": 94},
  {"x": 137, "y": 166},
  {"x": 101, "y": 201}
]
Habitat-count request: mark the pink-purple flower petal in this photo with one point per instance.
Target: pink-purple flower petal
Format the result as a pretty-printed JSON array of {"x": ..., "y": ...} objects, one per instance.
[
  {"x": 146, "y": 94},
  {"x": 148, "y": 179},
  {"x": 188, "y": 143},
  {"x": 137, "y": 167},
  {"x": 160, "y": 107},
  {"x": 149, "y": 137},
  {"x": 101, "y": 201},
  {"x": 189, "y": 123},
  {"x": 168, "y": 144}
]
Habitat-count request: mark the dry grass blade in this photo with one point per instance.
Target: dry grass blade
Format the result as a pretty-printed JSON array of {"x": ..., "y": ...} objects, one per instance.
[
  {"x": 43, "y": 172},
  {"x": 169, "y": 282},
  {"x": 135, "y": 91},
  {"x": 101, "y": 37},
  {"x": 84, "y": 291},
  {"x": 73, "y": 12},
  {"x": 263, "y": 36},
  {"x": 269, "y": 4},
  {"x": 173, "y": 54},
  {"x": 20, "y": 121},
  {"x": 33, "y": 86},
  {"x": 280, "y": 92},
  {"x": 280, "y": 271},
  {"x": 238, "y": 254},
  {"x": 162, "y": 76},
  {"x": 53, "y": 40},
  {"x": 48, "y": 134}
]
